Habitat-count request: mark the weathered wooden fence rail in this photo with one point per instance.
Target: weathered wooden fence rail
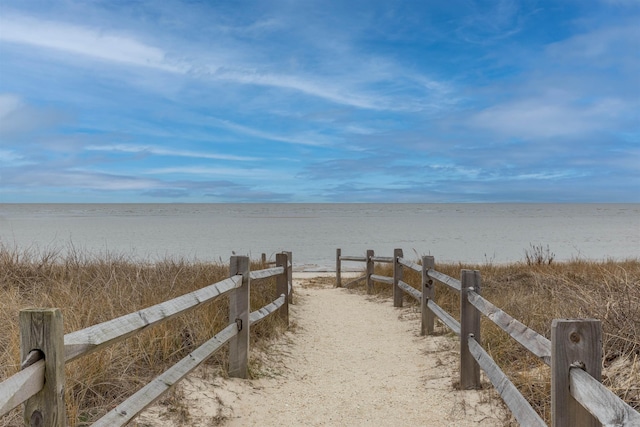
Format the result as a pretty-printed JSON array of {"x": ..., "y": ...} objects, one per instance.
[
  {"x": 578, "y": 399},
  {"x": 45, "y": 349}
]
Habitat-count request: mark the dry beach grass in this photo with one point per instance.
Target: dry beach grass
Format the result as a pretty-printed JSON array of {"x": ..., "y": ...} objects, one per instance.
[{"x": 90, "y": 290}]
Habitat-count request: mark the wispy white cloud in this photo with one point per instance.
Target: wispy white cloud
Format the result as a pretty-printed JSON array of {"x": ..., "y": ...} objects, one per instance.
[
  {"x": 160, "y": 151},
  {"x": 547, "y": 117},
  {"x": 8, "y": 104},
  {"x": 125, "y": 48},
  {"x": 204, "y": 171},
  {"x": 79, "y": 40},
  {"x": 17, "y": 116},
  {"x": 11, "y": 157},
  {"x": 499, "y": 20},
  {"x": 311, "y": 138}
]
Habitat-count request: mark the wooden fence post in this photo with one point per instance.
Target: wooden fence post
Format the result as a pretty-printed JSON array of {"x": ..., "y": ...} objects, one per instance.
[
  {"x": 239, "y": 313},
  {"x": 428, "y": 318},
  {"x": 338, "y": 281},
  {"x": 575, "y": 344},
  {"x": 469, "y": 325},
  {"x": 397, "y": 276},
  {"x": 370, "y": 270},
  {"x": 282, "y": 285},
  {"x": 290, "y": 277},
  {"x": 42, "y": 329},
  {"x": 264, "y": 260}
]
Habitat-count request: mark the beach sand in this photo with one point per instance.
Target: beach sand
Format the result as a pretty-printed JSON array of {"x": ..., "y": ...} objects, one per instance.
[{"x": 347, "y": 360}]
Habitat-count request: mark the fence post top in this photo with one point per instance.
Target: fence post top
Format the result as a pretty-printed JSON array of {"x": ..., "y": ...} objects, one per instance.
[
  {"x": 558, "y": 321},
  {"x": 56, "y": 311}
]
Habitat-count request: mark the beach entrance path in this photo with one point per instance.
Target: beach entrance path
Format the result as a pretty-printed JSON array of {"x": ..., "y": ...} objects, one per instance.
[{"x": 351, "y": 360}]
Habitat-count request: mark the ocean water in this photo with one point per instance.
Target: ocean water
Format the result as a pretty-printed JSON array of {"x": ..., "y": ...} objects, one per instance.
[{"x": 475, "y": 233}]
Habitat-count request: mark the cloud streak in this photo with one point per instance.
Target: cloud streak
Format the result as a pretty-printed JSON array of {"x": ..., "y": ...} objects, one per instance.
[
  {"x": 79, "y": 40},
  {"x": 159, "y": 151}
]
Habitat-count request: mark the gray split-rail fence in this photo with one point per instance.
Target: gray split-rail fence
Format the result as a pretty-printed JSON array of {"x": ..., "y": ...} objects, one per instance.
[
  {"x": 578, "y": 398},
  {"x": 45, "y": 349}
]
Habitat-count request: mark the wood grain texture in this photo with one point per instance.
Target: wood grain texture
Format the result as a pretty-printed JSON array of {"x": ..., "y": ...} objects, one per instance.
[
  {"x": 264, "y": 312},
  {"x": 446, "y": 318},
  {"x": 338, "y": 278},
  {"x": 428, "y": 293},
  {"x": 370, "y": 270},
  {"x": 282, "y": 285},
  {"x": 93, "y": 338},
  {"x": 353, "y": 258},
  {"x": 445, "y": 280},
  {"x": 290, "y": 276},
  {"x": 518, "y": 405},
  {"x": 127, "y": 410},
  {"x": 573, "y": 342},
  {"x": 528, "y": 338},
  {"x": 382, "y": 279},
  {"x": 601, "y": 402},
  {"x": 398, "y": 295},
  {"x": 42, "y": 329},
  {"x": 21, "y": 386},
  {"x": 239, "y": 301},
  {"x": 410, "y": 290},
  {"x": 383, "y": 259},
  {"x": 469, "y": 326},
  {"x": 267, "y": 272},
  {"x": 410, "y": 264}
]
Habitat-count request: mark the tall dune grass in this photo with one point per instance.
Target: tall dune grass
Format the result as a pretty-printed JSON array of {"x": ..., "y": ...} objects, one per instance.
[
  {"x": 535, "y": 294},
  {"x": 89, "y": 290}
]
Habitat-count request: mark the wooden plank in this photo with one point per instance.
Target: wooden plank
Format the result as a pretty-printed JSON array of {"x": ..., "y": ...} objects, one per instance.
[
  {"x": 290, "y": 276},
  {"x": 370, "y": 270},
  {"x": 573, "y": 341},
  {"x": 521, "y": 409},
  {"x": 264, "y": 312},
  {"x": 397, "y": 276},
  {"x": 469, "y": 326},
  {"x": 338, "y": 278},
  {"x": 266, "y": 273},
  {"x": 448, "y": 320},
  {"x": 42, "y": 329},
  {"x": 127, "y": 410},
  {"x": 413, "y": 292},
  {"x": 410, "y": 264},
  {"x": 21, "y": 386},
  {"x": 382, "y": 279},
  {"x": 428, "y": 294},
  {"x": 282, "y": 285},
  {"x": 93, "y": 338},
  {"x": 528, "y": 338},
  {"x": 355, "y": 281},
  {"x": 239, "y": 309},
  {"x": 601, "y": 402},
  {"x": 383, "y": 259},
  {"x": 446, "y": 280},
  {"x": 353, "y": 258}
]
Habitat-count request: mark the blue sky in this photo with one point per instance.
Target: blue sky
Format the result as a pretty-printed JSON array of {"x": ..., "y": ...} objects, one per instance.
[{"x": 320, "y": 101}]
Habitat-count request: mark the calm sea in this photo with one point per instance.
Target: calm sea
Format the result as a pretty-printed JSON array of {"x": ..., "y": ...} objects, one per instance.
[{"x": 476, "y": 233}]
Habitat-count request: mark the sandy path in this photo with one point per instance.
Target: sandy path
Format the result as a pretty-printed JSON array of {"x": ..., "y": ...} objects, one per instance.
[{"x": 349, "y": 360}]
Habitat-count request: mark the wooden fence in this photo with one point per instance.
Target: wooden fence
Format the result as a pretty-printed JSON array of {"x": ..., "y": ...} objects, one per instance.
[
  {"x": 578, "y": 399},
  {"x": 45, "y": 349}
]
